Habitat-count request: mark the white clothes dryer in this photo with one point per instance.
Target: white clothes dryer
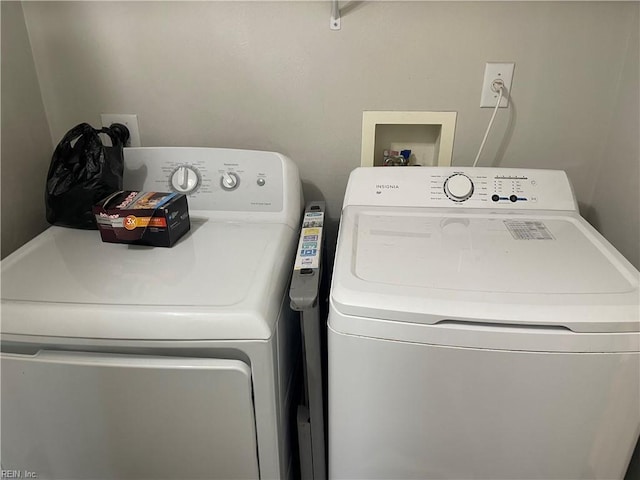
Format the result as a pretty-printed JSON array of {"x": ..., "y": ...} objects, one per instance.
[
  {"x": 479, "y": 328},
  {"x": 123, "y": 361}
]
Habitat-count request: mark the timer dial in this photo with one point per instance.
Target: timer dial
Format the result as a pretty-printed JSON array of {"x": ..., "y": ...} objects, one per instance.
[
  {"x": 229, "y": 180},
  {"x": 458, "y": 187},
  {"x": 185, "y": 179}
]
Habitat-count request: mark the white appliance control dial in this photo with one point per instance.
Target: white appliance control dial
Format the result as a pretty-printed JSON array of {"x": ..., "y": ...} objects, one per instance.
[
  {"x": 185, "y": 179},
  {"x": 458, "y": 187},
  {"x": 229, "y": 180}
]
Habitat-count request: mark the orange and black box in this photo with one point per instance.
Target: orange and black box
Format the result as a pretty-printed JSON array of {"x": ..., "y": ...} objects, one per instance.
[{"x": 158, "y": 219}]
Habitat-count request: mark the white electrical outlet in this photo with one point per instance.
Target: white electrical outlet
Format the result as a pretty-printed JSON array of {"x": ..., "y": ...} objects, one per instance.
[
  {"x": 496, "y": 71},
  {"x": 130, "y": 121}
]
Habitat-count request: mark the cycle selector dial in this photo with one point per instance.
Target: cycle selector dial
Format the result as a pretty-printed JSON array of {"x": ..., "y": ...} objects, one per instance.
[
  {"x": 458, "y": 187},
  {"x": 185, "y": 179},
  {"x": 229, "y": 181}
]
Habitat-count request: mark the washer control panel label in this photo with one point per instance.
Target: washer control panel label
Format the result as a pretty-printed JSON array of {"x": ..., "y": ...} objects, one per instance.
[
  {"x": 528, "y": 230},
  {"x": 308, "y": 255}
]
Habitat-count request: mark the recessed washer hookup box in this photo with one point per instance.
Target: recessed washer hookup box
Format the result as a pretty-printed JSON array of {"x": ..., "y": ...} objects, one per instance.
[{"x": 158, "y": 219}]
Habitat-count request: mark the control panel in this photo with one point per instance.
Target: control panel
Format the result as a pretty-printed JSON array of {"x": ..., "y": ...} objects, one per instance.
[
  {"x": 212, "y": 178},
  {"x": 514, "y": 188},
  {"x": 470, "y": 187}
]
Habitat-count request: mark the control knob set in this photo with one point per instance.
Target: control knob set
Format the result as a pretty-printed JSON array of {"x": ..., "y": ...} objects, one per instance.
[
  {"x": 186, "y": 179},
  {"x": 458, "y": 187}
]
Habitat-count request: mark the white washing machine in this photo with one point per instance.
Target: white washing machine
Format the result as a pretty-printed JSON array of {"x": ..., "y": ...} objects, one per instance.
[
  {"x": 125, "y": 362},
  {"x": 479, "y": 328}
]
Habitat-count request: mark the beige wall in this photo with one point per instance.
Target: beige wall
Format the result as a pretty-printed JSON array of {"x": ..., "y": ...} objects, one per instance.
[
  {"x": 616, "y": 199},
  {"x": 26, "y": 140},
  {"x": 272, "y": 75}
]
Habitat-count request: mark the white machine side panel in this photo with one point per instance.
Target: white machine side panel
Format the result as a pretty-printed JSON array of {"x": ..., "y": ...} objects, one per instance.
[
  {"x": 411, "y": 411},
  {"x": 108, "y": 416},
  {"x": 490, "y": 188}
]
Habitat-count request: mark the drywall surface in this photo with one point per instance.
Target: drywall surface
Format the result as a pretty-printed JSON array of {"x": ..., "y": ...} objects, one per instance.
[
  {"x": 26, "y": 140},
  {"x": 615, "y": 205},
  {"x": 273, "y": 76}
]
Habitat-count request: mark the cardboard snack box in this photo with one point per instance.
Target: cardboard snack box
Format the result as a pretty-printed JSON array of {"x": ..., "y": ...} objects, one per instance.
[{"x": 158, "y": 219}]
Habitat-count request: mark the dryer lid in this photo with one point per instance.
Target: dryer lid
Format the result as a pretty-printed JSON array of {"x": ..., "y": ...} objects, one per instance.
[
  {"x": 405, "y": 263},
  {"x": 227, "y": 271}
]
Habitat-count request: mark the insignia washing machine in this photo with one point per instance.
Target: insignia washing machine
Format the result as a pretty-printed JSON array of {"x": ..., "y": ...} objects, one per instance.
[
  {"x": 478, "y": 328},
  {"x": 123, "y": 361}
]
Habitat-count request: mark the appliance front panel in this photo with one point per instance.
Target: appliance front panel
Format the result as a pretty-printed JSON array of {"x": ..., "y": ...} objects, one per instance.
[
  {"x": 412, "y": 411},
  {"x": 115, "y": 416}
]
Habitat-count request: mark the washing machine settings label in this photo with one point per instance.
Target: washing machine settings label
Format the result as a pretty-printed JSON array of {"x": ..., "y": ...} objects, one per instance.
[
  {"x": 528, "y": 230},
  {"x": 308, "y": 255}
]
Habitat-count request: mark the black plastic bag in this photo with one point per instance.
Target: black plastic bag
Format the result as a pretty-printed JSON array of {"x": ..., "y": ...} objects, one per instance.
[{"x": 83, "y": 171}]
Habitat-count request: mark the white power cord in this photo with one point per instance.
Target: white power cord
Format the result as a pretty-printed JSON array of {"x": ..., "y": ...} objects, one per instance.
[{"x": 497, "y": 86}]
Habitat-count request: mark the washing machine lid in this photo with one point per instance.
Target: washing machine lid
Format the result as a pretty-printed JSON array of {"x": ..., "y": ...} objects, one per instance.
[
  {"x": 428, "y": 265},
  {"x": 221, "y": 280}
]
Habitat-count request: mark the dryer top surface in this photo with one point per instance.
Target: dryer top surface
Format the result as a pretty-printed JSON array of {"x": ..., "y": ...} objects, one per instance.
[{"x": 69, "y": 283}]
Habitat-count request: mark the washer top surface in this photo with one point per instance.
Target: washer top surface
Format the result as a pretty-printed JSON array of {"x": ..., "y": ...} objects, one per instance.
[
  {"x": 479, "y": 253},
  {"x": 444, "y": 260}
]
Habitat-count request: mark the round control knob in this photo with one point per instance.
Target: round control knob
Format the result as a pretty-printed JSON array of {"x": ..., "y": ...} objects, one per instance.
[
  {"x": 229, "y": 180},
  {"x": 458, "y": 187},
  {"x": 185, "y": 179}
]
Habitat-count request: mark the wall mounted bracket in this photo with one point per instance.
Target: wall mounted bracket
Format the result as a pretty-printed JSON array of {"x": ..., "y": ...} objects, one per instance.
[{"x": 334, "y": 22}]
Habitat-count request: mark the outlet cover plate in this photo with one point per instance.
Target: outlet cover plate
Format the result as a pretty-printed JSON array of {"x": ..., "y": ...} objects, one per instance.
[
  {"x": 493, "y": 71},
  {"x": 129, "y": 120}
]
